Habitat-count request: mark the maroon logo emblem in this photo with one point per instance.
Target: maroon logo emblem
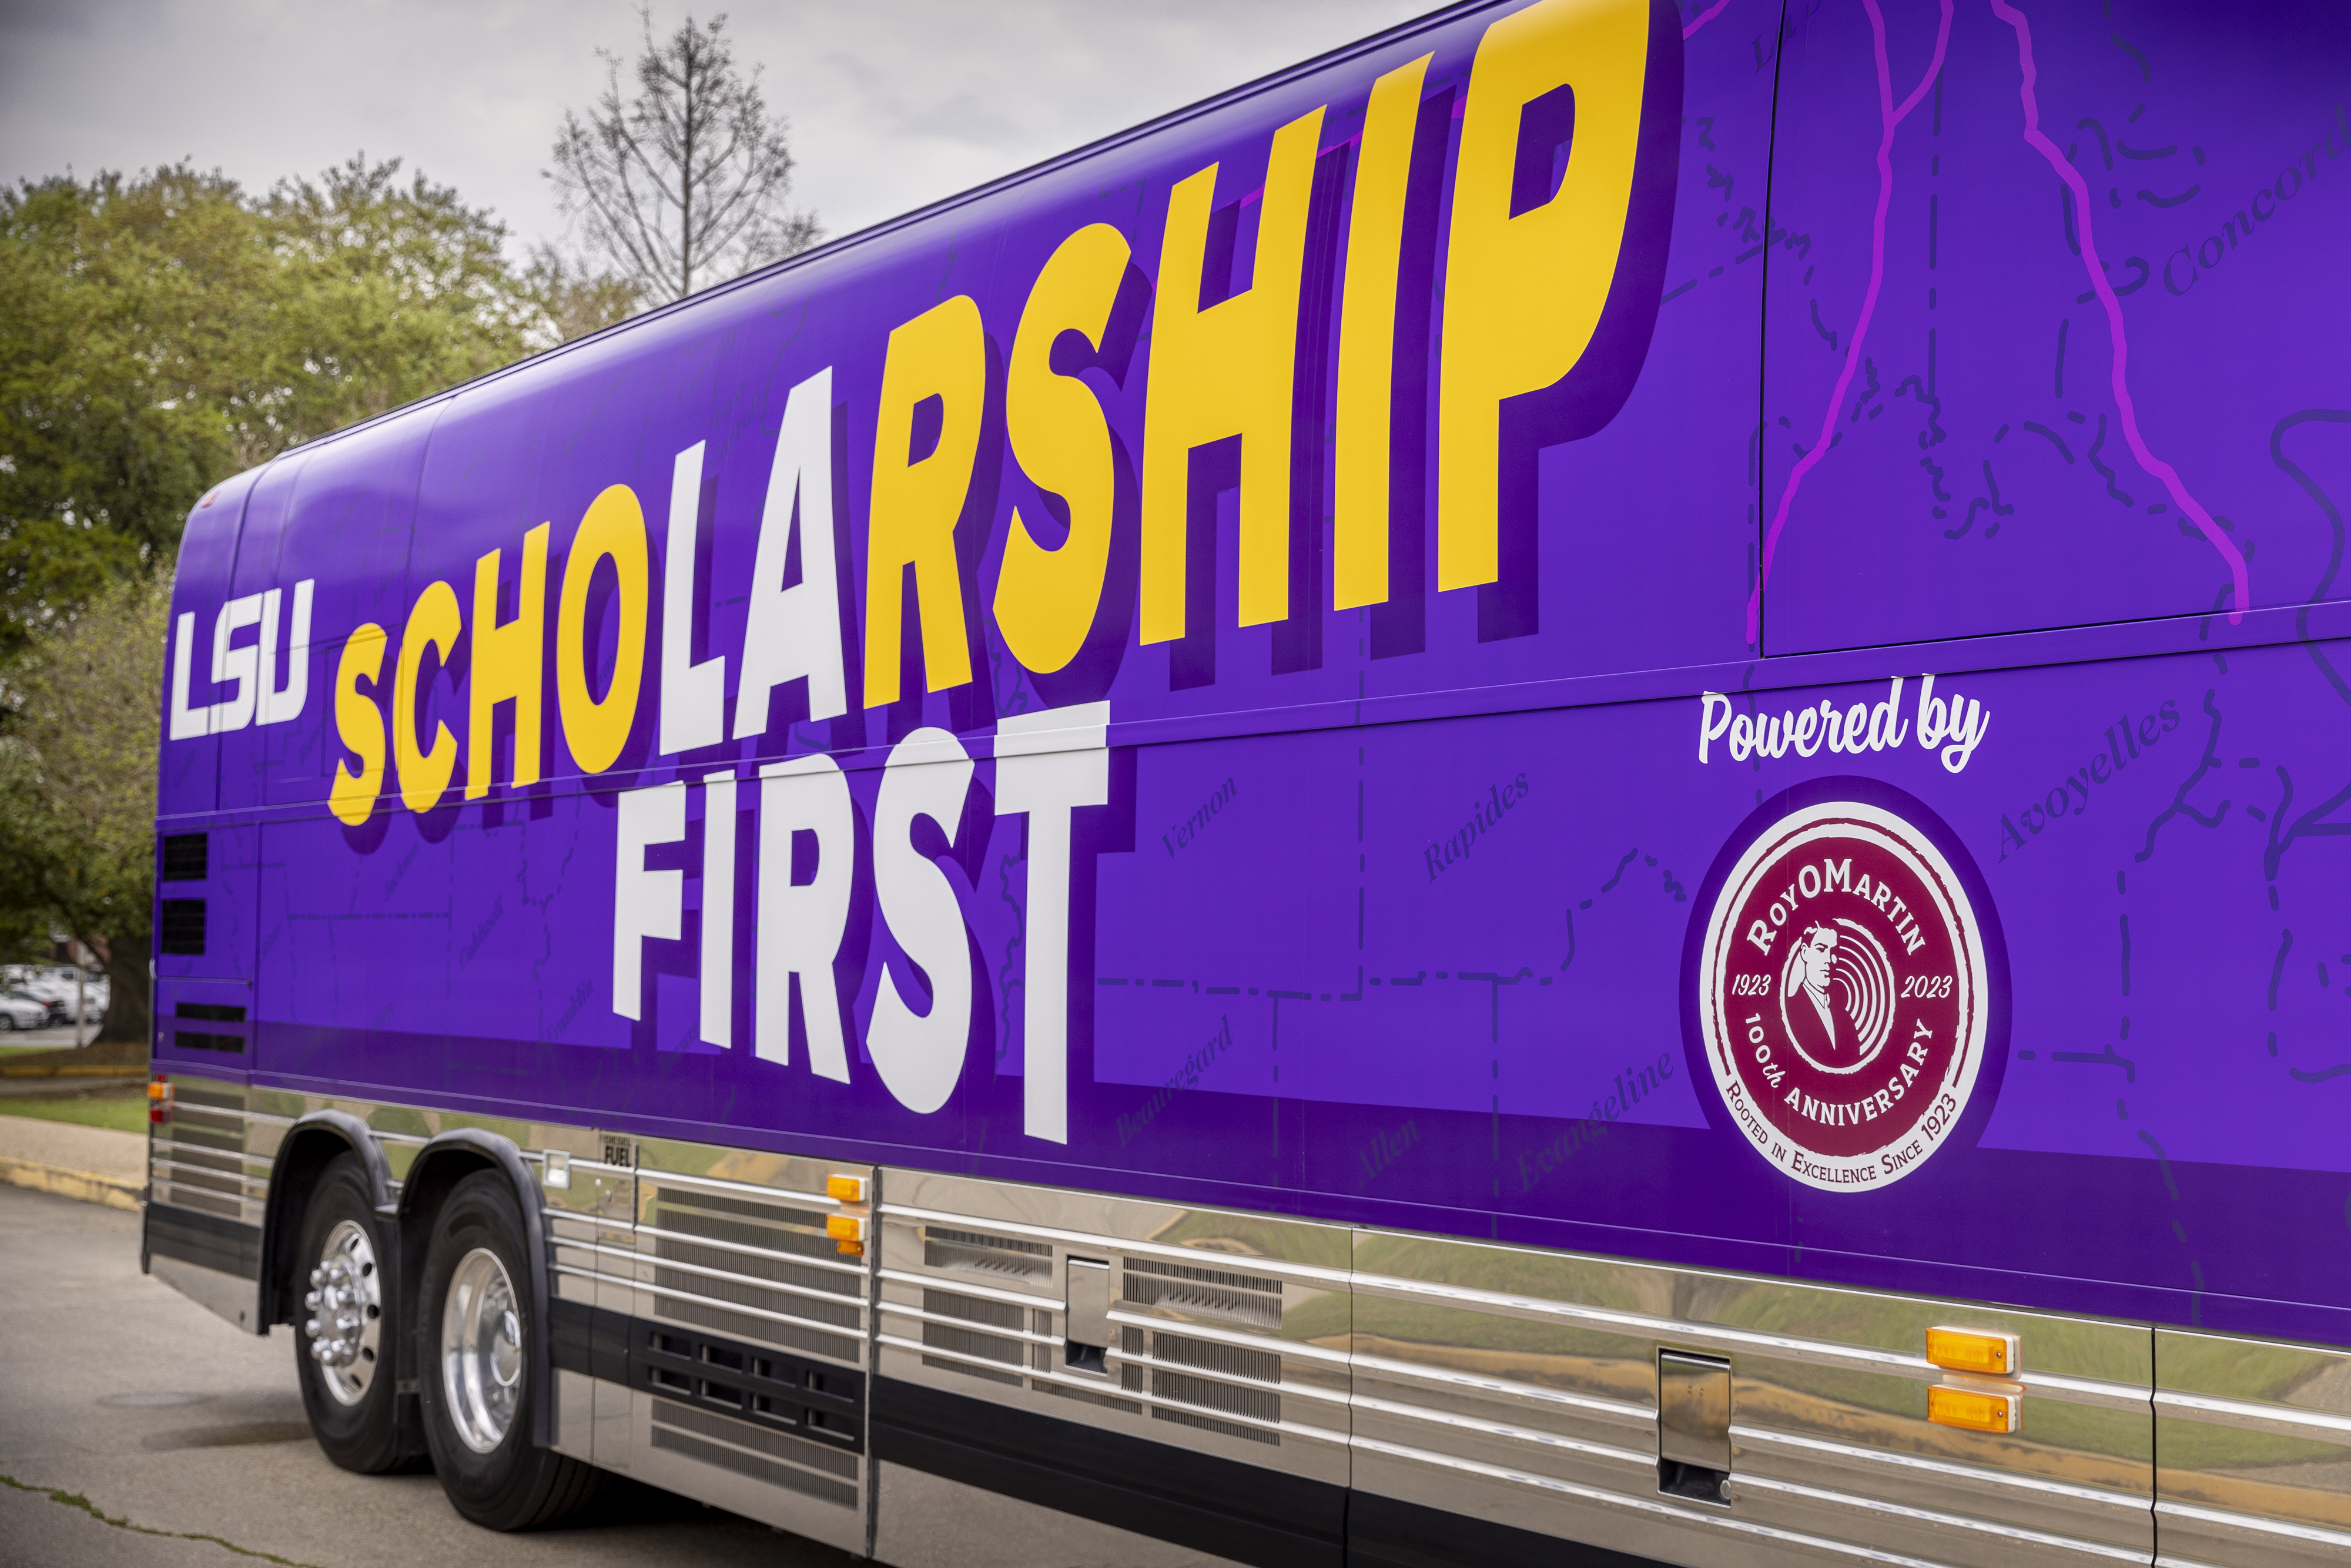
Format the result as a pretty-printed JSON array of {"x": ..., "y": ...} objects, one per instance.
[{"x": 1842, "y": 996}]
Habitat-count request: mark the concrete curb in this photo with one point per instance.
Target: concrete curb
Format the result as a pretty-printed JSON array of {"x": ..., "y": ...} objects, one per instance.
[
  {"x": 87, "y": 1187},
  {"x": 73, "y": 1070}
]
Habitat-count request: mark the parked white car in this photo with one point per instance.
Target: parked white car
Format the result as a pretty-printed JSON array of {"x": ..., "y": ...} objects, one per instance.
[
  {"x": 57, "y": 986},
  {"x": 22, "y": 1012},
  {"x": 54, "y": 1013}
]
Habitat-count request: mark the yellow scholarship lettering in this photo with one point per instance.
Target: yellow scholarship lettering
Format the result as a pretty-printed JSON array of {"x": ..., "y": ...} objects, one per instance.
[
  {"x": 1523, "y": 294},
  {"x": 1359, "y": 521},
  {"x": 597, "y": 729},
  {"x": 434, "y": 622},
  {"x": 1046, "y": 597},
  {"x": 507, "y": 664},
  {"x": 1224, "y": 371},
  {"x": 917, "y": 502},
  {"x": 359, "y": 724}
]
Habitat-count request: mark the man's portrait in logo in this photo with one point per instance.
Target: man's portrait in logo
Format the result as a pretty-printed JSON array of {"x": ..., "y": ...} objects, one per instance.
[
  {"x": 1836, "y": 995},
  {"x": 1842, "y": 981}
]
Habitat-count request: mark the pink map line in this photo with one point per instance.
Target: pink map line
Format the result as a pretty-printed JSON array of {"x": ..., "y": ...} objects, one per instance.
[
  {"x": 1703, "y": 17},
  {"x": 2213, "y": 535},
  {"x": 1889, "y": 117}
]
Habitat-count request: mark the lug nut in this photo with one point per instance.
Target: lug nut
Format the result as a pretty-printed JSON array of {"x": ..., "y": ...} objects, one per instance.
[
  {"x": 311, "y": 1327},
  {"x": 311, "y": 1300},
  {"x": 318, "y": 1276}
]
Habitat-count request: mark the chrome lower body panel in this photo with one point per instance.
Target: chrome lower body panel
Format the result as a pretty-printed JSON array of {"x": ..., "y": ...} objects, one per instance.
[
  {"x": 1222, "y": 1335},
  {"x": 1055, "y": 1375},
  {"x": 2253, "y": 1446},
  {"x": 1524, "y": 1384},
  {"x": 928, "y": 1520},
  {"x": 809, "y": 1487},
  {"x": 207, "y": 1188},
  {"x": 227, "y": 1296},
  {"x": 717, "y": 1337}
]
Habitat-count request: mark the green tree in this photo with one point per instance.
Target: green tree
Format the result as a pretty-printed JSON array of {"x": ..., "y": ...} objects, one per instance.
[
  {"x": 128, "y": 312},
  {"x": 161, "y": 332},
  {"x": 575, "y": 298},
  {"x": 389, "y": 291},
  {"x": 77, "y": 784}
]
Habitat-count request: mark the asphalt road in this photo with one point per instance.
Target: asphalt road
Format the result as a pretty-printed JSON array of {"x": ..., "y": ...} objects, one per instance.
[{"x": 188, "y": 1437}]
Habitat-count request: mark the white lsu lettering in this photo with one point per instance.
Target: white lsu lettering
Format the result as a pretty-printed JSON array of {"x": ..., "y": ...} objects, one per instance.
[
  {"x": 253, "y": 670},
  {"x": 1049, "y": 764},
  {"x": 1957, "y": 725}
]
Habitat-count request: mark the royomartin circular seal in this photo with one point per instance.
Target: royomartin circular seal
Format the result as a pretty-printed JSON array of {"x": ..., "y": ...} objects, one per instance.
[{"x": 1841, "y": 995}]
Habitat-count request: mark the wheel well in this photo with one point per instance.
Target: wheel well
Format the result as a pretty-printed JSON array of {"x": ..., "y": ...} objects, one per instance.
[
  {"x": 440, "y": 1165},
  {"x": 307, "y": 1151},
  {"x": 430, "y": 1181}
]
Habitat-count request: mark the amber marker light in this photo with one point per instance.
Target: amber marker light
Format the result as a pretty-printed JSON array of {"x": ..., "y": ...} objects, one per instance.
[
  {"x": 844, "y": 1226},
  {"x": 845, "y": 1188},
  {"x": 1971, "y": 1410},
  {"x": 1977, "y": 1351}
]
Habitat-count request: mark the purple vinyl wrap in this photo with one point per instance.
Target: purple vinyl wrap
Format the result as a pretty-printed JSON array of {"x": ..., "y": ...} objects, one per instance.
[{"x": 2003, "y": 344}]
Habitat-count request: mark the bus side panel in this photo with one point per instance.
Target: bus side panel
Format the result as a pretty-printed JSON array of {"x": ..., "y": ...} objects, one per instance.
[
  {"x": 1557, "y": 920},
  {"x": 2014, "y": 448},
  {"x": 345, "y": 530},
  {"x": 189, "y": 769},
  {"x": 247, "y": 712},
  {"x": 1360, "y": 985}
]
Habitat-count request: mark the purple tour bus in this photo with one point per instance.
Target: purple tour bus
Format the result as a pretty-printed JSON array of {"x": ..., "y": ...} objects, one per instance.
[{"x": 1438, "y": 815}]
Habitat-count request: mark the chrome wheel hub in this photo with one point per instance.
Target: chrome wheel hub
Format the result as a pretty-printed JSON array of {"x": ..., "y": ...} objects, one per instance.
[
  {"x": 345, "y": 1307},
  {"x": 481, "y": 1350}
]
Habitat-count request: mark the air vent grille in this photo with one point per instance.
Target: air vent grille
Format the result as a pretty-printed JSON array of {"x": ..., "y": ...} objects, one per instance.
[
  {"x": 969, "y": 1252},
  {"x": 974, "y": 1238},
  {"x": 971, "y": 1310},
  {"x": 777, "y": 1271},
  {"x": 180, "y": 930},
  {"x": 187, "y": 857},
  {"x": 742, "y": 1222},
  {"x": 1225, "y": 1360},
  {"x": 1203, "y": 1292},
  {"x": 971, "y": 1341}
]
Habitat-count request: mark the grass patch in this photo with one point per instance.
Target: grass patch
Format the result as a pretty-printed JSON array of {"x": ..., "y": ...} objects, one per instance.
[
  {"x": 75, "y": 1499},
  {"x": 123, "y": 1113}
]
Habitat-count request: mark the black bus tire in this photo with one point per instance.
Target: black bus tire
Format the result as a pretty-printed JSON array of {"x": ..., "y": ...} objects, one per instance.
[
  {"x": 515, "y": 1485},
  {"x": 362, "y": 1433}
]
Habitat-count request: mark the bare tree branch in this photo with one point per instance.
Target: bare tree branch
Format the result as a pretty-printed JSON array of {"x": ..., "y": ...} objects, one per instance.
[{"x": 686, "y": 182}]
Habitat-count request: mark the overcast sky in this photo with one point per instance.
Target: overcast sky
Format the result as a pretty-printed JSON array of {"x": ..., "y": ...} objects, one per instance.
[{"x": 894, "y": 103}]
